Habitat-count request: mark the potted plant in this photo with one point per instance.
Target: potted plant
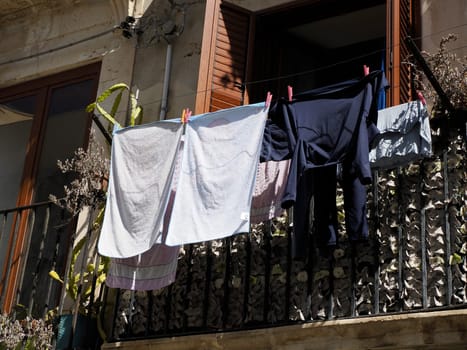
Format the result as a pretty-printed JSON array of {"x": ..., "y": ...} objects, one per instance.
[
  {"x": 449, "y": 112},
  {"x": 86, "y": 269}
]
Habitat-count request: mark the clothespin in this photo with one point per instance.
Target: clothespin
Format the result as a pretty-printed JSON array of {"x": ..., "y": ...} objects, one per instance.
[
  {"x": 268, "y": 100},
  {"x": 186, "y": 114},
  {"x": 289, "y": 92},
  {"x": 366, "y": 70},
  {"x": 421, "y": 97}
]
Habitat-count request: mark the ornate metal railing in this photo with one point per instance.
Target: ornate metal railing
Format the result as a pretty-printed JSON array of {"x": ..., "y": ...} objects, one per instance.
[
  {"x": 46, "y": 230},
  {"x": 413, "y": 261}
]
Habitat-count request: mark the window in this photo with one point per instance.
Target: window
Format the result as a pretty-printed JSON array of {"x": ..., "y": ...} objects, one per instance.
[
  {"x": 305, "y": 44},
  {"x": 41, "y": 122}
]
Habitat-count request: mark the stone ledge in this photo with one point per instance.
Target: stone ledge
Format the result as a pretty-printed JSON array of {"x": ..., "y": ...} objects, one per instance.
[{"x": 435, "y": 330}]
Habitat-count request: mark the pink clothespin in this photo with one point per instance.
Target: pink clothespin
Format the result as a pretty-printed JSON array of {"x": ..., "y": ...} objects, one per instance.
[
  {"x": 421, "y": 97},
  {"x": 366, "y": 70},
  {"x": 186, "y": 114},
  {"x": 268, "y": 100},
  {"x": 289, "y": 92}
]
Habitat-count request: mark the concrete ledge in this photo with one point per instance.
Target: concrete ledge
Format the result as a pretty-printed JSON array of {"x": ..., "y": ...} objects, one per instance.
[{"x": 428, "y": 330}]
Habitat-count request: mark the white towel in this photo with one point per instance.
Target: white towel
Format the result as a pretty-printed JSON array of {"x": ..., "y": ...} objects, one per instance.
[
  {"x": 142, "y": 167},
  {"x": 214, "y": 192},
  {"x": 154, "y": 269}
]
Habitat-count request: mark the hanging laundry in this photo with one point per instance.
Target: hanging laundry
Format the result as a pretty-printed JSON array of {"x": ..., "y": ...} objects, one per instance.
[
  {"x": 156, "y": 268},
  {"x": 405, "y": 136},
  {"x": 141, "y": 172},
  {"x": 319, "y": 129},
  {"x": 151, "y": 270},
  {"x": 213, "y": 197},
  {"x": 271, "y": 178}
]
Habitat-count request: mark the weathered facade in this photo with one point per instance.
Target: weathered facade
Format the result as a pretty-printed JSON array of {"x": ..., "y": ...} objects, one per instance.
[{"x": 56, "y": 56}]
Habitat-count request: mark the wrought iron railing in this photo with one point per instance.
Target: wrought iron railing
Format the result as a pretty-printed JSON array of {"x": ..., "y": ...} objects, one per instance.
[
  {"x": 46, "y": 230},
  {"x": 413, "y": 261}
]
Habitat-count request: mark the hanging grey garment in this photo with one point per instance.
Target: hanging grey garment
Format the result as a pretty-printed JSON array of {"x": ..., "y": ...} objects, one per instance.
[{"x": 404, "y": 136}]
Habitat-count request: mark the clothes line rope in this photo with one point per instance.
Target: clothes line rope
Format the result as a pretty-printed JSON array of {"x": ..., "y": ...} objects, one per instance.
[{"x": 318, "y": 69}]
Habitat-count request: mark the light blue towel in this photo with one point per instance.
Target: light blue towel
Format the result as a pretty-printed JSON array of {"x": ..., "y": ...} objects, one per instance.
[
  {"x": 214, "y": 191},
  {"x": 405, "y": 136}
]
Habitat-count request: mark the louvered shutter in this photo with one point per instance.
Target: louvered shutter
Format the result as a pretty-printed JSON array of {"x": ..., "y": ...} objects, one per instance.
[
  {"x": 223, "y": 66},
  {"x": 400, "y": 20}
]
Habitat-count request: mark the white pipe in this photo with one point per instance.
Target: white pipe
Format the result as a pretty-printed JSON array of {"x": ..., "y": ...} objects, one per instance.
[{"x": 165, "y": 87}]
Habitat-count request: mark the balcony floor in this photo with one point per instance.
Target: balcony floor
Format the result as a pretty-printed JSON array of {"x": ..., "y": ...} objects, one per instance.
[{"x": 424, "y": 330}]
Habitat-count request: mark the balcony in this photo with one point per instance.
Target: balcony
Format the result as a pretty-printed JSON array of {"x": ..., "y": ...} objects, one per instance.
[
  {"x": 412, "y": 269},
  {"x": 409, "y": 278}
]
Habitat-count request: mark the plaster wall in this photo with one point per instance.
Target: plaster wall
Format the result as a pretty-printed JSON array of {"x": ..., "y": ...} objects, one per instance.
[
  {"x": 440, "y": 18},
  {"x": 49, "y": 37},
  {"x": 181, "y": 26}
]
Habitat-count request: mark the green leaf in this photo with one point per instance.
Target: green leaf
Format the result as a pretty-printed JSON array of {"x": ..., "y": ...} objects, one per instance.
[
  {"x": 90, "y": 267},
  {"x": 87, "y": 292},
  {"x": 101, "y": 278},
  {"x": 455, "y": 259},
  {"x": 55, "y": 276},
  {"x": 106, "y": 93},
  {"x": 276, "y": 270},
  {"x": 116, "y": 103},
  {"x": 74, "y": 256},
  {"x": 100, "y": 217},
  {"x": 106, "y": 115},
  {"x": 91, "y": 107},
  {"x": 135, "y": 114}
]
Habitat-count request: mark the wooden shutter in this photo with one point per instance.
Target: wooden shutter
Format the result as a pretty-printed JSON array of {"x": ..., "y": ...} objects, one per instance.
[
  {"x": 223, "y": 66},
  {"x": 400, "y": 25}
]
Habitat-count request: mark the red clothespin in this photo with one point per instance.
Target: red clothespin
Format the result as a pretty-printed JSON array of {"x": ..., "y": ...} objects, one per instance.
[
  {"x": 421, "y": 97},
  {"x": 366, "y": 70},
  {"x": 289, "y": 92},
  {"x": 268, "y": 100}
]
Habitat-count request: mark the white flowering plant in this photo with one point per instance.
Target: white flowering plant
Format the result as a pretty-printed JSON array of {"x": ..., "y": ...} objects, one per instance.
[{"x": 28, "y": 333}]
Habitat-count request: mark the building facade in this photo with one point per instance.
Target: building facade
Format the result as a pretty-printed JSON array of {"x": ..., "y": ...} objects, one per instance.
[{"x": 57, "y": 56}]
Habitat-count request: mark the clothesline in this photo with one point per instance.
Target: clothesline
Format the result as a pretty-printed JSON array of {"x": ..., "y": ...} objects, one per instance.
[
  {"x": 318, "y": 69},
  {"x": 214, "y": 186}
]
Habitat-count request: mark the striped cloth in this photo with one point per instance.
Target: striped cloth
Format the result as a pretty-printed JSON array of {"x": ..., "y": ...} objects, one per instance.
[
  {"x": 271, "y": 179},
  {"x": 151, "y": 270}
]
